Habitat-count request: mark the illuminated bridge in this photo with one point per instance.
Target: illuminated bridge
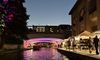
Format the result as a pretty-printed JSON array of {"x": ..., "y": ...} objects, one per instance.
[
  {"x": 49, "y": 34},
  {"x": 31, "y": 42}
]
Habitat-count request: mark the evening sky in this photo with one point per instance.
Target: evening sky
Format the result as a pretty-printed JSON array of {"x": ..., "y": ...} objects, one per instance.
[{"x": 49, "y": 12}]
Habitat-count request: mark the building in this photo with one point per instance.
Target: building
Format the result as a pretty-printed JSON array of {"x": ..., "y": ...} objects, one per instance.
[
  {"x": 63, "y": 31},
  {"x": 50, "y": 29},
  {"x": 85, "y": 15}
]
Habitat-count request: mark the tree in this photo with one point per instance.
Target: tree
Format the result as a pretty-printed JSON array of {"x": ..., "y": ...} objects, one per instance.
[{"x": 15, "y": 17}]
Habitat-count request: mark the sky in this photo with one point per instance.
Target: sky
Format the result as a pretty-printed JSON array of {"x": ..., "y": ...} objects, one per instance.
[{"x": 49, "y": 12}]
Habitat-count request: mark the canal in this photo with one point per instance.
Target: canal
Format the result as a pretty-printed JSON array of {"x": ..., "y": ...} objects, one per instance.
[{"x": 42, "y": 54}]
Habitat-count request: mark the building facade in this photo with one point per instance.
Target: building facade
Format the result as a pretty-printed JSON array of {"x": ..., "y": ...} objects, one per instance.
[
  {"x": 63, "y": 31},
  {"x": 85, "y": 15},
  {"x": 50, "y": 29}
]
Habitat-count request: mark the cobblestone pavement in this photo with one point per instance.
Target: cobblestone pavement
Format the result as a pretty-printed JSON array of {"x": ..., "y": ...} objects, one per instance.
[{"x": 84, "y": 52}]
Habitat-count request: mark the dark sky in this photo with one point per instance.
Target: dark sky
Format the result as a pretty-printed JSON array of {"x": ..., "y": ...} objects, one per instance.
[{"x": 49, "y": 12}]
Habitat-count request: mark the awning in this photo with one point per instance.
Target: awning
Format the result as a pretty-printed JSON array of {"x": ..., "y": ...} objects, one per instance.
[
  {"x": 85, "y": 33},
  {"x": 96, "y": 33}
]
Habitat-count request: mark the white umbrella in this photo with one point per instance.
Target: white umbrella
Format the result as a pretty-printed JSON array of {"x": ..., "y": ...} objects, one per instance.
[
  {"x": 96, "y": 33},
  {"x": 85, "y": 33}
]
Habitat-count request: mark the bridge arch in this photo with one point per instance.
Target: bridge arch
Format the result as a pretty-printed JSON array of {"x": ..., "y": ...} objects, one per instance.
[{"x": 55, "y": 41}]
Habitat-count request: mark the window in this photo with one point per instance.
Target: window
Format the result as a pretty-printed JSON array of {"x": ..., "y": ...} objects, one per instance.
[
  {"x": 40, "y": 29},
  {"x": 82, "y": 11},
  {"x": 80, "y": 19},
  {"x": 51, "y": 30}
]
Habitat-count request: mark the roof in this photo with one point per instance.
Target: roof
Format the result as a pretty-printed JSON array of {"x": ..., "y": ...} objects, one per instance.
[{"x": 75, "y": 6}]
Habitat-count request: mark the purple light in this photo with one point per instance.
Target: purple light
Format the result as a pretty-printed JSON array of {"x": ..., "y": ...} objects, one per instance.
[
  {"x": 35, "y": 40},
  {"x": 5, "y": 1},
  {"x": 44, "y": 39},
  {"x": 10, "y": 15}
]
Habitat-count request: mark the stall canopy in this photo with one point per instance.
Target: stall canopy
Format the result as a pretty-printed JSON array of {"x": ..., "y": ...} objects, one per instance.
[
  {"x": 96, "y": 33},
  {"x": 85, "y": 34}
]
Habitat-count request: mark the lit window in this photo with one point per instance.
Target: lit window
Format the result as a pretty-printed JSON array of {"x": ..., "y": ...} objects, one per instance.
[
  {"x": 40, "y": 29},
  {"x": 51, "y": 30}
]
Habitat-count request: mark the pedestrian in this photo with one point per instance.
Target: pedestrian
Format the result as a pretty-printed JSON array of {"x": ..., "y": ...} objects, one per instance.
[
  {"x": 89, "y": 43},
  {"x": 73, "y": 43},
  {"x": 95, "y": 42},
  {"x": 80, "y": 43},
  {"x": 69, "y": 44}
]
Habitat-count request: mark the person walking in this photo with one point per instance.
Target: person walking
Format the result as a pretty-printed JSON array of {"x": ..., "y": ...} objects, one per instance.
[
  {"x": 73, "y": 43},
  {"x": 95, "y": 42},
  {"x": 80, "y": 43},
  {"x": 69, "y": 44},
  {"x": 89, "y": 42}
]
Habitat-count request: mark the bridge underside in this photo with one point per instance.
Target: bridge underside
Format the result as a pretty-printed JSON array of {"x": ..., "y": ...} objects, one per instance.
[
  {"x": 30, "y": 42},
  {"x": 44, "y": 37}
]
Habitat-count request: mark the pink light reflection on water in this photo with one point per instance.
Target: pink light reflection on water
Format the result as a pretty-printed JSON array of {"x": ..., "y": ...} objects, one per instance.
[{"x": 43, "y": 54}]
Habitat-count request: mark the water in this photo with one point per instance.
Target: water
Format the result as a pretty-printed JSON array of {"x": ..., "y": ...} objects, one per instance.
[{"x": 43, "y": 54}]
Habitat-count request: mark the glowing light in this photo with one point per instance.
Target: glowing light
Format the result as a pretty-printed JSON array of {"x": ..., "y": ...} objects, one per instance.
[
  {"x": 45, "y": 40},
  {"x": 5, "y": 1},
  {"x": 35, "y": 40}
]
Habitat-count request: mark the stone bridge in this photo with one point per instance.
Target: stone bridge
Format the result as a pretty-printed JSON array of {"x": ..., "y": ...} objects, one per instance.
[{"x": 46, "y": 35}]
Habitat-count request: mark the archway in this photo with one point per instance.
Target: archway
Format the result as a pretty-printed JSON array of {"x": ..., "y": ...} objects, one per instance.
[{"x": 31, "y": 42}]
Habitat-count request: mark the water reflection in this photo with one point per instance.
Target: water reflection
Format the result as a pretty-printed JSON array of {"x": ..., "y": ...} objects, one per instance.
[{"x": 43, "y": 54}]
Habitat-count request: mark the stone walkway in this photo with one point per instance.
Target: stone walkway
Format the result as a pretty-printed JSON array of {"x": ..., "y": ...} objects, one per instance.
[{"x": 84, "y": 52}]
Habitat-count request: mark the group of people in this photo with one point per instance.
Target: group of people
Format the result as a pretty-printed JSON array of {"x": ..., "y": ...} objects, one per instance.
[
  {"x": 90, "y": 43},
  {"x": 93, "y": 43},
  {"x": 71, "y": 43}
]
